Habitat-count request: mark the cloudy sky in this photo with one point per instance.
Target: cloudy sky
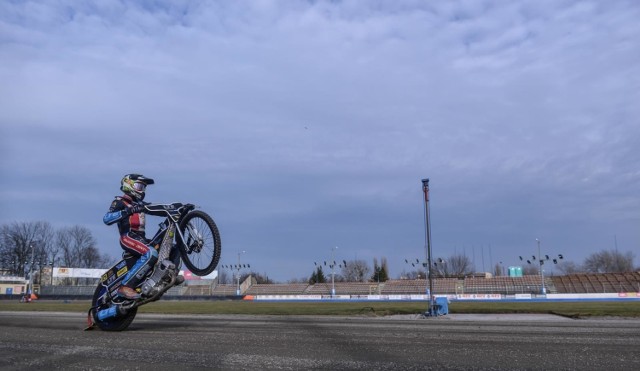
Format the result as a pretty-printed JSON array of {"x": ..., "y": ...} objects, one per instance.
[{"x": 305, "y": 125}]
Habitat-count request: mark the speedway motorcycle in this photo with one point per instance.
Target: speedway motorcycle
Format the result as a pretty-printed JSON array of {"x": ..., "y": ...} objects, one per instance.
[{"x": 186, "y": 235}]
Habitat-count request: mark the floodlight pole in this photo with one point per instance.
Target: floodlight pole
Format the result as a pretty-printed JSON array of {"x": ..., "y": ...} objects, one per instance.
[
  {"x": 33, "y": 259},
  {"x": 238, "y": 273},
  {"x": 52, "y": 263},
  {"x": 427, "y": 238},
  {"x": 333, "y": 266},
  {"x": 544, "y": 291}
]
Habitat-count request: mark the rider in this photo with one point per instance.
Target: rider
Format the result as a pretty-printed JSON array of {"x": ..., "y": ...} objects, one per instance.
[{"x": 127, "y": 210}]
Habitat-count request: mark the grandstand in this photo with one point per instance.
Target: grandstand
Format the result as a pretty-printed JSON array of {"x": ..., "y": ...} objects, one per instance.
[
  {"x": 277, "y": 289},
  {"x": 419, "y": 286},
  {"x": 503, "y": 285},
  {"x": 530, "y": 284},
  {"x": 224, "y": 290},
  {"x": 344, "y": 288},
  {"x": 597, "y": 282}
]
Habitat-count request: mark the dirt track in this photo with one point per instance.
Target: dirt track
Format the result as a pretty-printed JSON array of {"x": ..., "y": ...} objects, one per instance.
[{"x": 33, "y": 340}]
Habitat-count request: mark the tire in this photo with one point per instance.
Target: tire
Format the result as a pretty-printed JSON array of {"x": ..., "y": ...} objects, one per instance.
[
  {"x": 200, "y": 250},
  {"x": 117, "y": 323}
]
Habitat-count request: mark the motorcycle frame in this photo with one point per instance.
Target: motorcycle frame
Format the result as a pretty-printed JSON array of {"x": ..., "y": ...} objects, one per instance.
[{"x": 165, "y": 236}]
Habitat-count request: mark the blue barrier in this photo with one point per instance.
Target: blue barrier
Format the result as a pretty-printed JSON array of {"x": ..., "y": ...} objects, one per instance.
[{"x": 442, "y": 306}]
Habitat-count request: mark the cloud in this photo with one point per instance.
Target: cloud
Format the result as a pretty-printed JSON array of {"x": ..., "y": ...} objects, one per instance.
[{"x": 311, "y": 122}]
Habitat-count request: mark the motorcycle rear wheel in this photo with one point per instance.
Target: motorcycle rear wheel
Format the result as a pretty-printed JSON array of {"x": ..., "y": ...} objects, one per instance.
[
  {"x": 201, "y": 249},
  {"x": 117, "y": 323}
]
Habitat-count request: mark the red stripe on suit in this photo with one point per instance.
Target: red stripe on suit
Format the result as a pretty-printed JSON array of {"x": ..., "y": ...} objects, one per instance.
[{"x": 133, "y": 245}]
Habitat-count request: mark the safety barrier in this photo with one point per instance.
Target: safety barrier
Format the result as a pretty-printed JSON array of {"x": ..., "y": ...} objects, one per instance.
[{"x": 460, "y": 297}]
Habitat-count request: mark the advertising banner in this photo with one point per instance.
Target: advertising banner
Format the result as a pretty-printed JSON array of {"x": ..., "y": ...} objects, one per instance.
[
  {"x": 479, "y": 297},
  {"x": 63, "y": 272}
]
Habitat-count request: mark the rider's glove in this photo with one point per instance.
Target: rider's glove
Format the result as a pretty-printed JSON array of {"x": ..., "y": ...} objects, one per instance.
[
  {"x": 137, "y": 208},
  {"x": 134, "y": 209}
]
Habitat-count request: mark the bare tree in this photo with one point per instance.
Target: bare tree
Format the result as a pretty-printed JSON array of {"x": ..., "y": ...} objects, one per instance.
[
  {"x": 223, "y": 276},
  {"x": 91, "y": 258},
  {"x": 455, "y": 265},
  {"x": 569, "y": 267},
  {"x": 497, "y": 270},
  {"x": 414, "y": 274},
  {"x": 530, "y": 269},
  {"x": 256, "y": 277},
  {"x": 78, "y": 248},
  {"x": 608, "y": 261},
  {"x": 24, "y": 244},
  {"x": 355, "y": 271}
]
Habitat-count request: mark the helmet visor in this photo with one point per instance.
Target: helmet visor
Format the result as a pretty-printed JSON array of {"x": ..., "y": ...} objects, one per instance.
[{"x": 139, "y": 186}]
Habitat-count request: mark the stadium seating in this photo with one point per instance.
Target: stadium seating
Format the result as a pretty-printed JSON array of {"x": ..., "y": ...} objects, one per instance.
[
  {"x": 571, "y": 283},
  {"x": 419, "y": 286},
  {"x": 597, "y": 282},
  {"x": 277, "y": 289},
  {"x": 224, "y": 290},
  {"x": 344, "y": 288}
]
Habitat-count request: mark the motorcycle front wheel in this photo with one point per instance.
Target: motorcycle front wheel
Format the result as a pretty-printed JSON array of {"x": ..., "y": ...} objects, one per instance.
[
  {"x": 117, "y": 323},
  {"x": 201, "y": 247}
]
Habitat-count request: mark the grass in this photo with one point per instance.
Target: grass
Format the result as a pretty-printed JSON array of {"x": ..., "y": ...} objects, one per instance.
[
  {"x": 575, "y": 309},
  {"x": 569, "y": 309}
]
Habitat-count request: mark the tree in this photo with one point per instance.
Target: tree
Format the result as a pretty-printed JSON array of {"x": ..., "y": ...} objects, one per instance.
[
  {"x": 223, "y": 276},
  {"x": 256, "y": 277},
  {"x": 530, "y": 269},
  {"x": 609, "y": 261},
  {"x": 380, "y": 272},
  {"x": 355, "y": 271},
  {"x": 24, "y": 244},
  {"x": 456, "y": 265},
  {"x": 78, "y": 248},
  {"x": 569, "y": 267},
  {"x": 299, "y": 280},
  {"x": 414, "y": 274},
  {"x": 497, "y": 270},
  {"x": 459, "y": 265},
  {"x": 317, "y": 276}
]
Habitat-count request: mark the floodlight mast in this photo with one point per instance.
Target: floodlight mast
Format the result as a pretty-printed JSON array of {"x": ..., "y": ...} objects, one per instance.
[
  {"x": 427, "y": 238},
  {"x": 540, "y": 261},
  {"x": 32, "y": 245},
  {"x": 238, "y": 274},
  {"x": 30, "y": 290},
  {"x": 333, "y": 265}
]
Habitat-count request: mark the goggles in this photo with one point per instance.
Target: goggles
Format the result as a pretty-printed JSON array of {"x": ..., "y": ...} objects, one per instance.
[{"x": 139, "y": 186}]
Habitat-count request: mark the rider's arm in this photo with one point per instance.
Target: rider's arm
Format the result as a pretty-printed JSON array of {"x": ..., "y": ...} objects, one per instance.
[{"x": 117, "y": 211}]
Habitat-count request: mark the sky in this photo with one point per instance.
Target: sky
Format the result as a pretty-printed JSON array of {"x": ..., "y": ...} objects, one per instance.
[{"x": 301, "y": 126}]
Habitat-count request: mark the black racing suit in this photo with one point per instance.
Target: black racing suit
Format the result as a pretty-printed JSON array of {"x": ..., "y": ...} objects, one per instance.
[{"x": 132, "y": 239}]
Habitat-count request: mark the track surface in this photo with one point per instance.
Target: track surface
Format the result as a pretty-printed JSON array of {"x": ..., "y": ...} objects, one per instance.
[{"x": 38, "y": 340}]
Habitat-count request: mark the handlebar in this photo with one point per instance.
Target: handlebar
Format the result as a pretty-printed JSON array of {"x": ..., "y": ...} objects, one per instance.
[{"x": 168, "y": 209}]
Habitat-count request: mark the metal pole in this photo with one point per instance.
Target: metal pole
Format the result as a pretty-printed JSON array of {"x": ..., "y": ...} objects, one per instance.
[
  {"x": 238, "y": 273},
  {"x": 333, "y": 266},
  {"x": 33, "y": 258},
  {"x": 51, "y": 264},
  {"x": 427, "y": 237},
  {"x": 544, "y": 291}
]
